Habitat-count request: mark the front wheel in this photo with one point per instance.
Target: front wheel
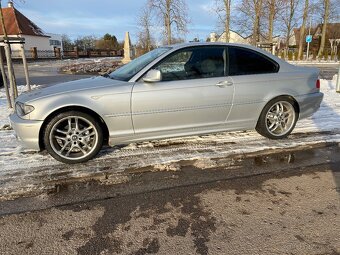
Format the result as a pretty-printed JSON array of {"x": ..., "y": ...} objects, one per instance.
[
  {"x": 73, "y": 137},
  {"x": 278, "y": 118}
]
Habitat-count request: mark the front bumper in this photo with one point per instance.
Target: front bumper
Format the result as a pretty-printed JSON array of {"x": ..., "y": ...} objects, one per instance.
[
  {"x": 309, "y": 104},
  {"x": 27, "y": 131}
]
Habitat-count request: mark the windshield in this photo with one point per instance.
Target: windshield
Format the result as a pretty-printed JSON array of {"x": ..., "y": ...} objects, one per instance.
[{"x": 127, "y": 71}]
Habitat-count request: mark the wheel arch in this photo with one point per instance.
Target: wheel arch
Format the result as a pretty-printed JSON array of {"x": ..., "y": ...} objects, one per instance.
[
  {"x": 73, "y": 108},
  {"x": 296, "y": 104}
]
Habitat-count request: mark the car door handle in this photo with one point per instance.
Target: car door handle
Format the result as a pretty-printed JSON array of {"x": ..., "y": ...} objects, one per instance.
[{"x": 222, "y": 84}]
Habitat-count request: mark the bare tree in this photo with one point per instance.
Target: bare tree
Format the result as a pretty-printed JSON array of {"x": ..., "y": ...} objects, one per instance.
[
  {"x": 289, "y": 18},
  {"x": 303, "y": 28},
  {"x": 222, "y": 8},
  {"x": 173, "y": 14},
  {"x": 324, "y": 27},
  {"x": 250, "y": 17},
  {"x": 145, "y": 39}
]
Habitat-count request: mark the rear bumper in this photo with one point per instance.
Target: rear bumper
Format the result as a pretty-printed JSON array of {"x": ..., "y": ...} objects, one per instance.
[
  {"x": 309, "y": 104},
  {"x": 27, "y": 131}
]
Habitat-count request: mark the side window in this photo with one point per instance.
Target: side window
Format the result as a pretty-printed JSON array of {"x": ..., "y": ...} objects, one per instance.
[
  {"x": 173, "y": 67},
  {"x": 244, "y": 61},
  {"x": 193, "y": 63}
]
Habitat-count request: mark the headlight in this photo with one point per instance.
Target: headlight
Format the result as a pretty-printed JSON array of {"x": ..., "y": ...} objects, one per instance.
[{"x": 23, "y": 109}]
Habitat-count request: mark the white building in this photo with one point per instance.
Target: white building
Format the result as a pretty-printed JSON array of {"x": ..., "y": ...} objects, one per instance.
[
  {"x": 234, "y": 37},
  {"x": 18, "y": 25},
  {"x": 56, "y": 41}
]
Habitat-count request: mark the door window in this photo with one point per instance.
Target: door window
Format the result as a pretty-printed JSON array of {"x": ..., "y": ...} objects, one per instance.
[
  {"x": 245, "y": 61},
  {"x": 193, "y": 63}
]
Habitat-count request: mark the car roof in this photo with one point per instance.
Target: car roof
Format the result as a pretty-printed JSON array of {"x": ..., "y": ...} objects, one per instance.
[{"x": 193, "y": 44}]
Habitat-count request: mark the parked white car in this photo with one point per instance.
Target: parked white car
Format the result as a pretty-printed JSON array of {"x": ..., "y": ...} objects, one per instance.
[{"x": 178, "y": 90}]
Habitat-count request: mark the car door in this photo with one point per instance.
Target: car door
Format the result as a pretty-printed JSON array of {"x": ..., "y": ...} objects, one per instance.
[
  {"x": 194, "y": 93},
  {"x": 254, "y": 76}
]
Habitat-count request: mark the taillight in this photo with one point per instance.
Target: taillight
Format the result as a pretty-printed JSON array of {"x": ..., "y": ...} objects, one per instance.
[{"x": 317, "y": 85}]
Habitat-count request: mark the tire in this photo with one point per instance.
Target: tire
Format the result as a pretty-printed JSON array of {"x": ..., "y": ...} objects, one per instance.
[
  {"x": 73, "y": 137},
  {"x": 278, "y": 118}
]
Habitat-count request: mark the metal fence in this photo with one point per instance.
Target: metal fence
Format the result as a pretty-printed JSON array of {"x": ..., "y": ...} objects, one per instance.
[{"x": 46, "y": 54}]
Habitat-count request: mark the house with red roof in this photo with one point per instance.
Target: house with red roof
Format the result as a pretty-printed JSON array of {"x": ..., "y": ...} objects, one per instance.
[{"x": 18, "y": 25}]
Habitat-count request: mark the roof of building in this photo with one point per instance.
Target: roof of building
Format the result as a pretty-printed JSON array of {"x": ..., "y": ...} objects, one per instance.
[
  {"x": 18, "y": 24},
  {"x": 232, "y": 31},
  {"x": 332, "y": 31}
]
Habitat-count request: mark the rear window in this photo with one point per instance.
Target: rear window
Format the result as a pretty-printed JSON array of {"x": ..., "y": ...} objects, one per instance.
[{"x": 245, "y": 61}]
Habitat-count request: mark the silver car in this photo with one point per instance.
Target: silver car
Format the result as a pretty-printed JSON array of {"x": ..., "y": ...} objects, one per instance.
[{"x": 178, "y": 90}]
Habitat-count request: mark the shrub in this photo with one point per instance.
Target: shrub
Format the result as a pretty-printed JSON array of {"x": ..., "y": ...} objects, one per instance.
[
  {"x": 303, "y": 55},
  {"x": 325, "y": 54},
  {"x": 290, "y": 55},
  {"x": 333, "y": 55},
  {"x": 296, "y": 53},
  {"x": 315, "y": 53},
  {"x": 283, "y": 54}
]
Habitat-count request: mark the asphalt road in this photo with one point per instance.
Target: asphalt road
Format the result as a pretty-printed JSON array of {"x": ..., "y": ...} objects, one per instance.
[
  {"x": 45, "y": 73},
  {"x": 263, "y": 204}
]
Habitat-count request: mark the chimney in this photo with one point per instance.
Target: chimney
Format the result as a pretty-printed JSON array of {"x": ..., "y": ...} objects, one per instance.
[{"x": 10, "y": 4}]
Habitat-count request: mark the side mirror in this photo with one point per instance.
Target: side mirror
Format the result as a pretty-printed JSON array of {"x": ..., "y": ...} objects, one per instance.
[{"x": 153, "y": 76}]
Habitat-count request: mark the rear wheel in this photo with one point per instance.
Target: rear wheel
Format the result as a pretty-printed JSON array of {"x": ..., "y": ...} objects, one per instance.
[
  {"x": 278, "y": 118},
  {"x": 73, "y": 137}
]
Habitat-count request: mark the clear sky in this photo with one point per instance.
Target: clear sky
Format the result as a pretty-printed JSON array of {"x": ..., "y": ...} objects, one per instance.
[{"x": 97, "y": 17}]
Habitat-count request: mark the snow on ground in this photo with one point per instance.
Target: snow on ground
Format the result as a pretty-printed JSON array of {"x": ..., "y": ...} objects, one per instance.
[{"x": 23, "y": 169}]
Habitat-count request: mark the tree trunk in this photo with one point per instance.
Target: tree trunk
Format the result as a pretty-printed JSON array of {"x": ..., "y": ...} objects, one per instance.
[
  {"x": 168, "y": 21},
  {"x": 227, "y": 20},
  {"x": 302, "y": 30},
  {"x": 271, "y": 20},
  {"x": 256, "y": 27},
  {"x": 289, "y": 23},
  {"x": 324, "y": 28},
  {"x": 148, "y": 39}
]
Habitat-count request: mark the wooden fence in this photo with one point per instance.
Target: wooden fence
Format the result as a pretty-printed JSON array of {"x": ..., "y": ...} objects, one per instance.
[
  {"x": 35, "y": 54},
  {"x": 76, "y": 53}
]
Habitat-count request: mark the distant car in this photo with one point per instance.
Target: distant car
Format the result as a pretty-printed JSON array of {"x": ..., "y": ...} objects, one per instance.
[{"x": 178, "y": 90}]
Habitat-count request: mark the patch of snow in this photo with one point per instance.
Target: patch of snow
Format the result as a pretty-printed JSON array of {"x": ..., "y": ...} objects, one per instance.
[
  {"x": 167, "y": 167},
  {"x": 205, "y": 163}
]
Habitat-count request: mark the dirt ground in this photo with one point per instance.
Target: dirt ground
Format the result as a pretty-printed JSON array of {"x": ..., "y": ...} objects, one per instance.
[{"x": 293, "y": 212}]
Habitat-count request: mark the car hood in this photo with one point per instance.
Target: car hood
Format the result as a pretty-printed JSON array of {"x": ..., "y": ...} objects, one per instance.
[{"x": 69, "y": 87}]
